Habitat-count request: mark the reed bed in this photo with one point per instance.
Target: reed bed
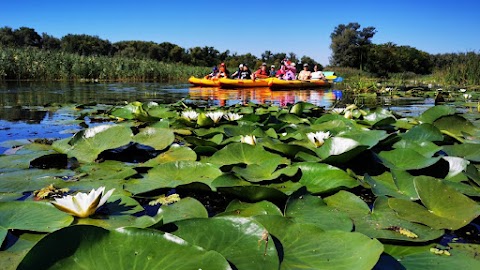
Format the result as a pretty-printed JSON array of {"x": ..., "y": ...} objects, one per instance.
[{"x": 41, "y": 65}]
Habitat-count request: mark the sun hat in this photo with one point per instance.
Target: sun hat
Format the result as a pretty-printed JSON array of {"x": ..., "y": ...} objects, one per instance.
[
  {"x": 272, "y": 66},
  {"x": 305, "y": 65},
  {"x": 264, "y": 64},
  {"x": 240, "y": 66}
]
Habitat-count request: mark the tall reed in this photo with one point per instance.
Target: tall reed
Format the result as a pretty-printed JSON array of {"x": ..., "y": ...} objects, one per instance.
[
  {"x": 465, "y": 71},
  {"x": 41, "y": 65}
]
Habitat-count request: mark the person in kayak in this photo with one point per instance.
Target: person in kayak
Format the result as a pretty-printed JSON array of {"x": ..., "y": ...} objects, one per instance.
[
  {"x": 246, "y": 74},
  {"x": 261, "y": 73},
  {"x": 236, "y": 74},
  {"x": 305, "y": 73},
  {"x": 317, "y": 74},
  {"x": 273, "y": 72},
  {"x": 289, "y": 70},
  {"x": 213, "y": 74},
  {"x": 223, "y": 71}
]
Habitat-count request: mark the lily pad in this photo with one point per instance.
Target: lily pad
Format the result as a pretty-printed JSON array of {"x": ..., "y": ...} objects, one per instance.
[
  {"x": 381, "y": 221},
  {"x": 320, "y": 177},
  {"x": 186, "y": 208},
  {"x": 158, "y": 138},
  {"x": 243, "y": 209},
  {"x": 33, "y": 179},
  {"x": 468, "y": 151},
  {"x": 406, "y": 159},
  {"x": 312, "y": 210},
  {"x": 82, "y": 246},
  {"x": 174, "y": 153},
  {"x": 88, "y": 144},
  {"x": 455, "y": 125},
  {"x": 306, "y": 246},
  {"x": 240, "y": 240},
  {"x": 444, "y": 206},
  {"x": 173, "y": 174},
  {"x": 32, "y": 216},
  {"x": 433, "y": 113},
  {"x": 425, "y": 148},
  {"x": 422, "y": 133}
]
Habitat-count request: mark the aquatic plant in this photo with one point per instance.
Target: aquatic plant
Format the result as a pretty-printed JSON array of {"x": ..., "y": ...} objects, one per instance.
[{"x": 284, "y": 187}]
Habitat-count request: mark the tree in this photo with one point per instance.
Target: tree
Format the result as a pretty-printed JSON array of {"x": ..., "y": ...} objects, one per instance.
[
  {"x": 86, "y": 45},
  {"x": 307, "y": 60},
  {"x": 50, "y": 42},
  {"x": 350, "y": 45},
  {"x": 6, "y": 37},
  {"x": 25, "y": 36}
]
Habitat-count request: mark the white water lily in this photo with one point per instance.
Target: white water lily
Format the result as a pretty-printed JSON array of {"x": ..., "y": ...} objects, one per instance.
[
  {"x": 190, "y": 115},
  {"x": 215, "y": 116},
  {"x": 467, "y": 96},
  {"x": 463, "y": 90},
  {"x": 318, "y": 138},
  {"x": 232, "y": 116},
  {"x": 249, "y": 139},
  {"x": 82, "y": 204}
]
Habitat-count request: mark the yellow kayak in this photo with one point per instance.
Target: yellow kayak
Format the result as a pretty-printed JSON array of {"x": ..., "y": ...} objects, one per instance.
[
  {"x": 204, "y": 82},
  {"x": 283, "y": 84},
  {"x": 234, "y": 83}
]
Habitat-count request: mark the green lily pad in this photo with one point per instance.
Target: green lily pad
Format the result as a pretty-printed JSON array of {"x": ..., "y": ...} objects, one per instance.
[
  {"x": 468, "y": 151},
  {"x": 174, "y": 153},
  {"x": 32, "y": 216},
  {"x": 368, "y": 138},
  {"x": 160, "y": 111},
  {"x": 379, "y": 117},
  {"x": 455, "y": 125},
  {"x": 425, "y": 148},
  {"x": 422, "y": 257},
  {"x": 254, "y": 193},
  {"x": 240, "y": 240},
  {"x": 242, "y": 153},
  {"x": 20, "y": 161},
  {"x": 88, "y": 144},
  {"x": 173, "y": 174},
  {"x": 93, "y": 247},
  {"x": 243, "y": 209},
  {"x": 312, "y": 210},
  {"x": 406, "y": 159},
  {"x": 158, "y": 138},
  {"x": 422, "y": 133},
  {"x": 320, "y": 177},
  {"x": 186, "y": 208},
  {"x": 444, "y": 206},
  {"x": 432, "y": 114},
  {"x": 306, "y": 246},
  {"x": 32, "y": 179},
  {"x": 108, "y": 169},
  {"x": 380, "y": 222},
  {"x": 12, "y": 255},
  {"x": 384, "y": 185},
  {"x": 339, "y": 150}
]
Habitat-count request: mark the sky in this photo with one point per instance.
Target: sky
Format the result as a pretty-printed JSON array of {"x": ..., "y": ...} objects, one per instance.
[{"x": 302, "y": 27}]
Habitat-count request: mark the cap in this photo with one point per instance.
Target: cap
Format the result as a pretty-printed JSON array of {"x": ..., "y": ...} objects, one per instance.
[
  {"x": 305, "y": 65},
  {"x": 264, "y": 64},
  {"x": 222, "y": 64},
  {"x": 240, "y": 66},
  {"x": 272, "y": 66}
]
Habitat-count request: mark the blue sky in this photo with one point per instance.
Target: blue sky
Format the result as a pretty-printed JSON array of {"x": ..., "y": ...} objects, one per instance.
[{"x": 303, "y": 27}]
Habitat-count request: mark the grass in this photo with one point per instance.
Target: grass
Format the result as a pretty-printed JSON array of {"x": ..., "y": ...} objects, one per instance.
[{"x": 39, "y": 65}]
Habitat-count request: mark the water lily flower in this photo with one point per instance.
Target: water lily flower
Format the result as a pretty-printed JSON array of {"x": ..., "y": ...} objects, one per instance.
[
  {"x": 318, "y": 138},
  {"x": 232, "y": 116},
  {"x": 82, "y": 204},
  {"x": 215, "y": 116},
  {"x": 249, "y": 139},
  {"x": 337, "y": 110},
  {"x": 463, "y": 90},
  {"x": 467, "y": 96},
  {"x": 348, "y": 115},
  {"x": 190, "y": 115}
]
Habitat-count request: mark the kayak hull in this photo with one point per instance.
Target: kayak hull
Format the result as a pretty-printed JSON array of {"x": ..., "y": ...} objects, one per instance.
[
  {"x": 234, "y": 83},
  {"x": 203, "y": 82},
  {"x": 296, "y": 84}
]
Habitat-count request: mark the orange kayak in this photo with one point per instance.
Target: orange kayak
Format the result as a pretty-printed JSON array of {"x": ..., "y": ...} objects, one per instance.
[
  {"x": 234, "y": 83},
  {"x": 295, "y": 84},
  {"x": 203, "y": 82}
]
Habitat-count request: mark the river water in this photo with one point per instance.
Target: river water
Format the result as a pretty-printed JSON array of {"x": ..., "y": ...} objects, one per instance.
[{"x": 24, "y": 112}]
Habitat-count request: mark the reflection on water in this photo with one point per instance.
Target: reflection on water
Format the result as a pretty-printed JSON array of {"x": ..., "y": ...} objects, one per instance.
[{"x": 221, "y": 97}]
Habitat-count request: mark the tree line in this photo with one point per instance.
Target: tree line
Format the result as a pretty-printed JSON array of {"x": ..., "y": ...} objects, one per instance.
[
  {"x": 352, "y": 47},
  {"x": 88, "y": 45}
]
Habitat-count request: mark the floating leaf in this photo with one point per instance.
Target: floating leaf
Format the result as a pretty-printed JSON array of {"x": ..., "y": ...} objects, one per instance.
[
  {"x": 173, "y": 174},
  {"x": 32, "y": 216},
  {"x": 406, "y": 159},
  {"x": 158, "y": 138},
  {"x": 422, "y": 133},
  {"x": 320, "y": 177},
  {"x": 92, "y": 248},
  {"x": 468, "y": 151},
  {"x": 174, "y": 153},
  {"x": 444, "y": 206},
  {"x": 433, "y": 113},
  {"x": 306, "y": 246},
  {"x": 312, "y": 210},
  {"x": 240, "y": 240},
  {"x": 89, "y": 143},
  {"x": 186, "y": 208},
  {"x": 243, "y": 209}
]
